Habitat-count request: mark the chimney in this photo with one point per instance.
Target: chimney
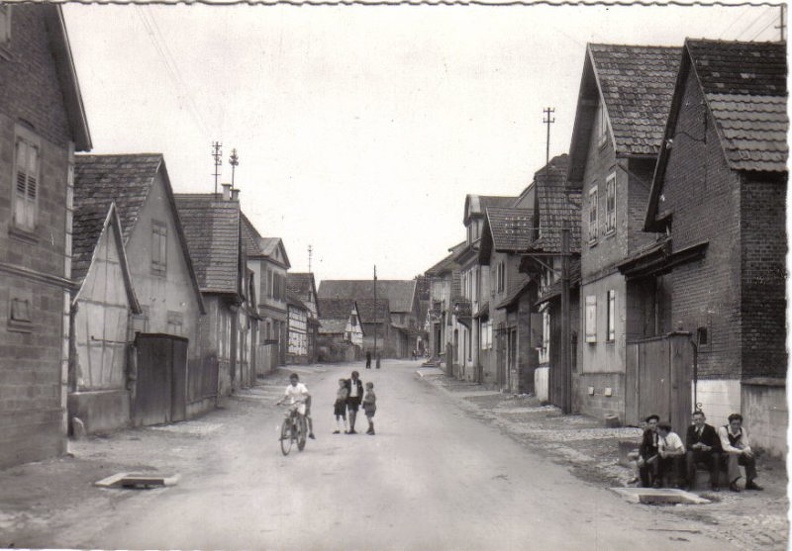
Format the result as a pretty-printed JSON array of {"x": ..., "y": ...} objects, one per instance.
[
  {"x": 235, "y": 195},
  {"x": 226, "y": 192}
]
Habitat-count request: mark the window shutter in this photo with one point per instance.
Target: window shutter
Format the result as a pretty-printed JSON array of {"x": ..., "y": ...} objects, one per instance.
[{"x": 591, "y": 318}]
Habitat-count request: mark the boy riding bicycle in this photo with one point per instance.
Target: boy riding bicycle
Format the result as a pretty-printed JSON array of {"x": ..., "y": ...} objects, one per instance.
[{"x": 297, "y": 393}]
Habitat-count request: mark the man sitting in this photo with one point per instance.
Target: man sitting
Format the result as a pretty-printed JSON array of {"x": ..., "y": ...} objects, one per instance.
[
  {"x": 737, "y": 448},
  {"x": 671, "y": 453},
  {"x": 703, "y": 446},
  {"x": 647, "y": 453}
]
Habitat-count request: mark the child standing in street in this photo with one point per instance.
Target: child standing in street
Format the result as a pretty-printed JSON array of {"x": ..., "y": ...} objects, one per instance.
[
  {"x": 339, "y": 408},
  {"x": 370, "y": 406}
]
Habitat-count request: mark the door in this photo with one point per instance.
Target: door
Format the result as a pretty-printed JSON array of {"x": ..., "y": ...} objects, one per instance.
[{"x": 161, "y": 386}]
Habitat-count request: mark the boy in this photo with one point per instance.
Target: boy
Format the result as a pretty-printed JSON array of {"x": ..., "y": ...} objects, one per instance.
[
  {"x": 339, "y": 409},
  {"x": 370, "y": 406},
  {"x": 297, "y": 393}
]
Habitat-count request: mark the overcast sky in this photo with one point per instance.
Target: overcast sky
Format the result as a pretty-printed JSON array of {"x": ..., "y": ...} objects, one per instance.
[{"x": 359, "y": 129}]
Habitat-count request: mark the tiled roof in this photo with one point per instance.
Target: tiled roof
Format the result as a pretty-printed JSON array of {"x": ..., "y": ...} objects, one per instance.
[
  {"x": 399, "y": 293},
  {"x": 366, "y": 309},
  {"x": 448, "y": 264},
  {"x": 211, "y": 226},
  {"x": 302, "y": 284},
  {"x": 256, "y": 245},
  {"x": 124, "y": 179},
  {"x": 557, "y": 204},
  {"x": 335, "y": 308},
  {"x": 745, "y": 84},
  {"x": 637, "y": 83},
  {"x": 514, "y": 291},
  {"x": 87, "y": 226},
  {"x": 332, "y": 326},
  {"x": 293, "y": 300},
  {"x": 512, "y": 229},
  {"x": 478, "y": 204}
]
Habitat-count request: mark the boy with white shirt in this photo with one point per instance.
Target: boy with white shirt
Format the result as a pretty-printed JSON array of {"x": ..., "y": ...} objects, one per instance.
[{"x": 671, "y": 453}]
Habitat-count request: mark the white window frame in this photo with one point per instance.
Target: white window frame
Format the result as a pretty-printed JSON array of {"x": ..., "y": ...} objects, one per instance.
[
  {"x": 591, "y": 318},
  {"x": 27, "y": 179},
  {"x": 611, "y": 315},
  {"x": 610, "y": 204},
  {"x": 593, "y": 208}
]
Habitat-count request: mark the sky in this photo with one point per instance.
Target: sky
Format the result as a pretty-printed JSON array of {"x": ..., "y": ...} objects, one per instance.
[{"x": 359, "y": 129}]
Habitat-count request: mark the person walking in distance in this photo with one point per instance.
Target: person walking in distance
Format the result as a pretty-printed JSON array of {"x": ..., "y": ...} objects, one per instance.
[
  {"x": 339, "y": 408},
  {"x": 355, "y": 388},
  {"x": 370, "y": 406},
  {"x": 368, "y": 360}
]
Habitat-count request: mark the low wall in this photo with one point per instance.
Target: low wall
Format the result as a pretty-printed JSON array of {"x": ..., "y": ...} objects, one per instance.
[
  {"x": 100, "y": 410},
  {"x": 766, "y": 414}
]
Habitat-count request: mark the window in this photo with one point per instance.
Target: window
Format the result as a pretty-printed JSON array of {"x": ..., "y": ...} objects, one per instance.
[
  {"x": 610, "y": 204},
  {"x": 592, "y": 229},
  {"x": 591, "y": 318},
  {"x": 20, "y": 313},
  {"x": 602, "y": 124},
  {"x": 5, "y": 24},
  {"x": 501, "y": 276},
  {"x": 159, "y": 248},
  {"x": 27, "y": 161},
  {"x": 611, "y": 315}
]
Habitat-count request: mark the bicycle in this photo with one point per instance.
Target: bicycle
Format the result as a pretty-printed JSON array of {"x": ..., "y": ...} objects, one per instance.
[{"x": 293, "y": 430}]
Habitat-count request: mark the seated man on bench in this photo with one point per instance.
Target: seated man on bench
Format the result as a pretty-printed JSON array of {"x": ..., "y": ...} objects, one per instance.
[
  {"x": 671, "y": 452},
  {"x": 737, "y": 449},
  {"x": 703, "y": 446}
]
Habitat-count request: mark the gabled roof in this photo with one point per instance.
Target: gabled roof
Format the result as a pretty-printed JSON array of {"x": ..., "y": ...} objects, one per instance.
[
  {"x": 744, "y": 85},
  {"x": 556, "y": 204},
  {"x": 512, "y": 230},
  {"x": 126, "y": 180},
  {"x": 448, "y": 264},
  {"x": 476, "y": 205},
  {"x": 211, "y": 225},
  {"x": 399, "y": 293},
  {"x": 336, "y": 308},
  {"x": 366, "y": 309},
  {"x": 88, "y": 226},
  {"x": 301, "y": 283},
  {"x": 635, "y": 83},
  {"x": 293, "y": 300},
  {"x": 257, "y": 246},
  {"x": 67, "y": 75}
]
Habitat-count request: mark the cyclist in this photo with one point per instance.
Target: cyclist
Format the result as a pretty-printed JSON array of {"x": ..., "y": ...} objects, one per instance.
[{"x": 297, "y": 393}]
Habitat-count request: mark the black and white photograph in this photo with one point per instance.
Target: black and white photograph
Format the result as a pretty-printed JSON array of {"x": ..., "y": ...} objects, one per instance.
[{"x": 394, "y": 275}]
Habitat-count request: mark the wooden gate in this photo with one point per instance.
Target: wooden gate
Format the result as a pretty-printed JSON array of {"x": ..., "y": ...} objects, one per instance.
[
  {"x": 161, "y": 387},
  {"x": 659, "y": 380}
]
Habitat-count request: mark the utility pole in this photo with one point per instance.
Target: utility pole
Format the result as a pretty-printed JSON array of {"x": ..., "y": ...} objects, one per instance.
[
  {"x": 234, "y": 162},
  {"x": 566, "y": 355},
  {"x": 548, "y": 121},
  {"x": 310, "y": 254},
  {"x": 217, "y": 153},
  {"x": 782, "y": 26},
  {"x": 376, "y": 357}
]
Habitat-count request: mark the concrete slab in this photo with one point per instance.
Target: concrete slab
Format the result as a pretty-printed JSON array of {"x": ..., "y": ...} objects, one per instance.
[
  {"x": 137, "y": 480},
  {"x": 429, "y": 371},
  {"x": 660, "y": 496}
]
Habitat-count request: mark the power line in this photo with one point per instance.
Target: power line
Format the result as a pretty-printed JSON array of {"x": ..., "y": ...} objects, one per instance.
[
  {"x": 752, "y": 24},
  {"x": 735, "y": 20},
  {"x": 763, "y": 30}
]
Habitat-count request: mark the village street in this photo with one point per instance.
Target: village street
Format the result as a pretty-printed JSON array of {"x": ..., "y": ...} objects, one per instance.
[{"x": 433, "y": 477}]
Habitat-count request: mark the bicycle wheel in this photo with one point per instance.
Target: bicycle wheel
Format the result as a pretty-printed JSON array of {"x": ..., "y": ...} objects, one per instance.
[
  {"x": 302, "y": 432},
  {"x": 286, "y": 437}
]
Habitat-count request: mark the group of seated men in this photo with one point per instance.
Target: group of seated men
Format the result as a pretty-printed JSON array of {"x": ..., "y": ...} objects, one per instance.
[{"x": 662, "y": 453}]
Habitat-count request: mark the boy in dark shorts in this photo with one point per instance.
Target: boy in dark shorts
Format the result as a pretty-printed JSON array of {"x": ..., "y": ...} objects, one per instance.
[{"x": 370, "y": 406}]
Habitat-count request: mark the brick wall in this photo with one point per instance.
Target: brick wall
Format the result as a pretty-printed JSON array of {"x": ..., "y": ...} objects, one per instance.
[
  {"x": 703, "y": 195},
  {"x": 763, "y": 236}
]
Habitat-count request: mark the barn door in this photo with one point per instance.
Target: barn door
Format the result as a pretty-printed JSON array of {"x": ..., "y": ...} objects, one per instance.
[{"x": 161, "y": 386}]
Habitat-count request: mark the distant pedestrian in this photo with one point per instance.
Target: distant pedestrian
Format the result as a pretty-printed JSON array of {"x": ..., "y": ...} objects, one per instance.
[
  {"x": 355, "y": 396},
  {"x": 370, "y": 406},
  {"x": 368, "y": 360},
  {"x": 339, "y": 408}
]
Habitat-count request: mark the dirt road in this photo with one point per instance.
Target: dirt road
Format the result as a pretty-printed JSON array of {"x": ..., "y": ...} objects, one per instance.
[{"x": 433, "y": 478}]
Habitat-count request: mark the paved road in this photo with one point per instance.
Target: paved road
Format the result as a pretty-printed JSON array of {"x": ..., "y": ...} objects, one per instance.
[{"x": 431, "y": 479}]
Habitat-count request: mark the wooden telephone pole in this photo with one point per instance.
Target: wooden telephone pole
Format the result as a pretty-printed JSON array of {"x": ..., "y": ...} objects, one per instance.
[{"x": 548, "y": 120}]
